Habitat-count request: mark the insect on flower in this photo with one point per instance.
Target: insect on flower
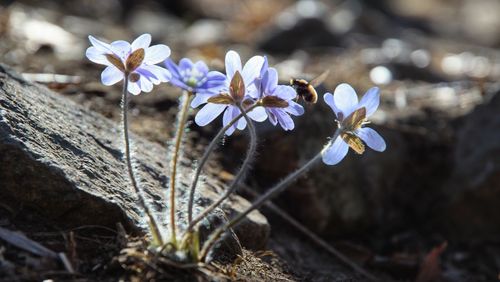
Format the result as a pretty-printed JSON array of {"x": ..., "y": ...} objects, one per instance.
[
  {"x": 306, "y": 90},
  {"x": 136, "y": 61},
  {"x": 236, "y": 91},
  {"x": 351, "y": 116},
  {"x": 196, "y": 78}
]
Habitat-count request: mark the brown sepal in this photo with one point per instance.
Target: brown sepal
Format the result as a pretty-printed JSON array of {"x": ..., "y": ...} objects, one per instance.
[
  {"x": 237, "y": 87},
  {"x": 222, "y": 98},
  {"x": 355, "y": 120},
  {"x": 354, "y": 142},
  {"x": 274, "y": 102},
  {"x": 135, "y": 59},
  {"x": 113, "y": 59}
]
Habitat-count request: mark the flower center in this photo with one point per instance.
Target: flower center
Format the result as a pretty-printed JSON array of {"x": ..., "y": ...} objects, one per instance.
[
  {"x": 192, "y": 82},
  {"x": 193, "y": 77}
]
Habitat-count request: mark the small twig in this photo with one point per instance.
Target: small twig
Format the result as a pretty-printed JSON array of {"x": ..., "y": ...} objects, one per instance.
[
  {"x": 66, "y": 263},
  {"x": 172, "y": 263},
  {"x": 94, "y": 226},
  {"x": 72, "y": 249},
  {"x": 23, "y": 242}
]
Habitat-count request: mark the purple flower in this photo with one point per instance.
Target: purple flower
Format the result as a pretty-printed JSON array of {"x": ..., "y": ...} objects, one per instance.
[
  {"x": 228, "y": 100},
  {"x": 278, "y": 100},
  {"x": 136, "y": 61},
  {"x": 351, "y": 116},
  {"x": 196, "y": 78}
]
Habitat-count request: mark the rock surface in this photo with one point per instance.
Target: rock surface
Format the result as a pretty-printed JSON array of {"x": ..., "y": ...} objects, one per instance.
[
  {"x": 64, "y": 163},
  {"x": 475, "y": 178}
]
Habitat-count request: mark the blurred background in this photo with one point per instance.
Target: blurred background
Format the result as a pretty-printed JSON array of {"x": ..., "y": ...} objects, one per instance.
[{"x": 434, "y": 195}]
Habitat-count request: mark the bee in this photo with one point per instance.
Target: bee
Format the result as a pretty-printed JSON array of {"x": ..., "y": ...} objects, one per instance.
[{"x": 305, "y": 89}]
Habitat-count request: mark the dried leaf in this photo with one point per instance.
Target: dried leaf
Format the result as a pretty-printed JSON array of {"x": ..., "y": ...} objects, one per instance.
[
  {"x": 22, "y": 242},
  {"x": 430, "y": 269}
]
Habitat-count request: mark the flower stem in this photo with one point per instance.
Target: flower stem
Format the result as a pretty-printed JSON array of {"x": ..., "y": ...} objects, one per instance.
[
  {"x": 204, "y": 159},
  {"x": 278, "y": 188},
  {"x": 239, "y": 176},
  {"x": 153, "y": 225},
  {"x": 183, "y": 115}
]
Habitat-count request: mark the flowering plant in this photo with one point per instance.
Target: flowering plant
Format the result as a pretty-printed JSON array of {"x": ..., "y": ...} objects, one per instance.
[
  {"x": 136, "y": 61},
  {"x": 351, "y": 116},
  {"x": 244, "y": 94},
  {"x": 230, "y": 98}
]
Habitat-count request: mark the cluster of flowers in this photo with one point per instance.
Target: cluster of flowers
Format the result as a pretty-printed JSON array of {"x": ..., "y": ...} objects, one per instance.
[{"x": 252, "y": 90}]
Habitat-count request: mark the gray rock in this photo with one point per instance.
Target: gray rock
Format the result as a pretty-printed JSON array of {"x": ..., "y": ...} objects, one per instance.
[
  {"x": 475, "y": 179},
  {"x": 65, "y": 163}
]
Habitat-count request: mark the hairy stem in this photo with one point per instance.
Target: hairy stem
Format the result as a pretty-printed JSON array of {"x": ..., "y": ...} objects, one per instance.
[
  {"x": 239, "y": 176},
  {"x": 204, "y": 159},
  {"x": 183, "y": 115},
  {"x": 278, "y": 188},
  {"x": 153, "y": 225}
]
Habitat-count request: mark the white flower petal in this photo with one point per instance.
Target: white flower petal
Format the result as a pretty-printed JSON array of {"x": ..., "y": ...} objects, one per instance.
[
  {"x": 294, "y": 109},
  {"x": 156, "y": 54},
  {"x": 370, "y": 101},
  {"x": 142, "y": 41},
  {"x": 258, "y": 114},
  {"x": 233, "y": 63},
  {"x": 201, "y": 67},
  {"x": 242, "y": 123},
  {"x": 208, "y": 113},
  {"x": 272, "y": 116},
  {"x": 121, "y": 48},
  {"x": 145, "y": 84},
  {"x": 328, "y": 97},
  {"x": 270, "y": 80},
  {"x": 133, "y": 88},
  {"x": 230, "y": 114},
  {"x": 252, "y": 69},
  {"x": 285, "y": 92},
  {"x": 336, "y": 152},
  {"x": 96, "y": 56},
  {"x": 111, "y": 75},
  {"x": 345, "y": 99},
  {"x": 371, "y": 138},
  {"x": 286, "y": 121},
  {"x": 161, "y": 74},
  {"x": 200, "y": 99},
  {"x": 99, "y": 45}
]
